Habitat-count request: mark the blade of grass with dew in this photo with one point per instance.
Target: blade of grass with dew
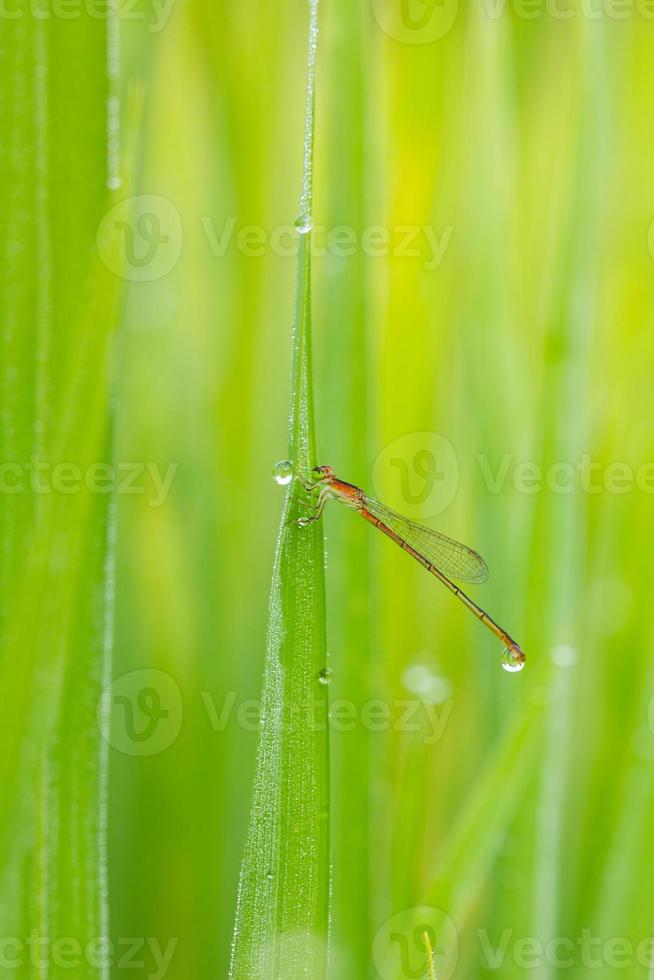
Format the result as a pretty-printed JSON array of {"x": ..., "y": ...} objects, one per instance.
[
  {"x": 58, "y": 313},
  {"x": 282, "y": 912}
]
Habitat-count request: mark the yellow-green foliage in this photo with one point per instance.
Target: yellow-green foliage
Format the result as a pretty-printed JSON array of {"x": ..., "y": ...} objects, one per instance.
[{"x": 520, "y": 333}]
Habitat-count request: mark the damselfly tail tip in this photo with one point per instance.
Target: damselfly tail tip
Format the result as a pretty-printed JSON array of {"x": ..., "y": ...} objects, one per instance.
[{"x": 513, "y": 658}]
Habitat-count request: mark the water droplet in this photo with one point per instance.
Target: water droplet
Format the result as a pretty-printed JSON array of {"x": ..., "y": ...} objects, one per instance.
[
  {"x": 512, "y": 661},
  {"x": 303, "y": 224},
  {"x": 270, "y": 876},
  {"x": 283, "y": 472},
  {"x": 325, "y": 675},
  {"x": 114, "y": 183}
]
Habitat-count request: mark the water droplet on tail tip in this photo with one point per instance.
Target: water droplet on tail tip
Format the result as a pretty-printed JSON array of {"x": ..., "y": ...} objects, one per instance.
[
  {"x": 283, "y": 472},
  {"x": 512, "y": 661}
]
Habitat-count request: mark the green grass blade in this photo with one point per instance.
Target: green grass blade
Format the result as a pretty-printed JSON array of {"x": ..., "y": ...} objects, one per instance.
[
  {"x": 58, "y": 314},
  {"x": 283, "y": 905}
]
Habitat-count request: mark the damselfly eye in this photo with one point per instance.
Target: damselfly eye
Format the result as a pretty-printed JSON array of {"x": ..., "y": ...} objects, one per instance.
[{"x": 322, "y": 473}]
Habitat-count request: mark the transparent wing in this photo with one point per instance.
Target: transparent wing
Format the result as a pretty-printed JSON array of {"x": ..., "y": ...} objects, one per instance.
[{"x": 452, "y": 558}]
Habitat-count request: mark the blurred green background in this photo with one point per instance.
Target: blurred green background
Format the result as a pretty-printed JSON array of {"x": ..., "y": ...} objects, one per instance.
[{"x": 483, "y": 295}]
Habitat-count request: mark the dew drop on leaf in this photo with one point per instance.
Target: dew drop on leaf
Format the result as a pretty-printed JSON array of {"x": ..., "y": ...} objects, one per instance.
[
  {"x": 303, "y": 224},
  {"x": 283, "y": 472}
]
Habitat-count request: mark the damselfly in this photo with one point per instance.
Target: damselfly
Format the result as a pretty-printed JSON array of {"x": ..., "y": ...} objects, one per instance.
[{"x": 445, "y": 558}]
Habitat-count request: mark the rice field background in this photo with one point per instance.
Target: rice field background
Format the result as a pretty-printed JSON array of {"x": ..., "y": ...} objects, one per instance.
[{"x": 483, "y": 285}]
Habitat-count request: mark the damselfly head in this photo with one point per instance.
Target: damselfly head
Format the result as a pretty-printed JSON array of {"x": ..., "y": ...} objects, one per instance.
[
  {"x": 513, "y": 659},
  {"x": 322, "y": 473}
]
